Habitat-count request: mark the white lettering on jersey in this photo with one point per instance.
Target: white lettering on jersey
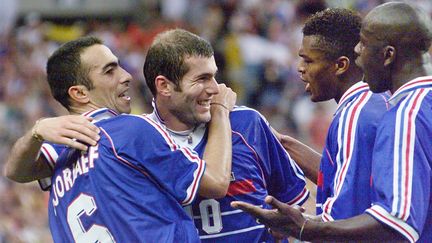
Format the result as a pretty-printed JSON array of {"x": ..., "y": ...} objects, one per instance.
[{"x": 64, "y": 181}]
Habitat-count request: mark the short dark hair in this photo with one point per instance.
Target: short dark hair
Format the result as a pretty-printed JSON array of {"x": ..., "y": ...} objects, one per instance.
[
  {"x": 64, "y": 68},
  {"x": 337, "y": 29},
  {"x": 168, "y": 52}
]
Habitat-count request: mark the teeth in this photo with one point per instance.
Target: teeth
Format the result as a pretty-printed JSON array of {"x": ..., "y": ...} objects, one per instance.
[
  {"x": 204, "y": 102},
  {"x": 126, "y": 93}
]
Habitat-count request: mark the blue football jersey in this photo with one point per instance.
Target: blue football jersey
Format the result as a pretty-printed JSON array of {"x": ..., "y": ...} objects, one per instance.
[
  {"x": 260, "y": 167},
  {"x": 130, "y": 187},
  {"x": 343, "y": 187},
  {"x": 402, "y": 162},
  {"x": 51, "y": 151}
]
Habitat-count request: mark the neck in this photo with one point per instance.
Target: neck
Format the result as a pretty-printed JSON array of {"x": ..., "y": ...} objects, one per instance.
[
  {"x": 78, "y": 110},
  {"x": 349, "y": 79}
]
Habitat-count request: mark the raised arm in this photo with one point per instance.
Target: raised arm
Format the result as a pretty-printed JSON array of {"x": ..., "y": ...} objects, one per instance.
[
  {"x": 218, "y": 151},
  {"x": 306, "y": 157},
  {"x": 24, "y": 163}
]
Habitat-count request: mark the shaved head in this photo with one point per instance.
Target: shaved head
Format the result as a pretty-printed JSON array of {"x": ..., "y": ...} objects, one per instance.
[{"x": 401, "y": 25}]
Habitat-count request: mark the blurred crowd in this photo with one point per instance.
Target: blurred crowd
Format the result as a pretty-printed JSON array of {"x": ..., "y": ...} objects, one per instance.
[{"x": 255, "y": 41}]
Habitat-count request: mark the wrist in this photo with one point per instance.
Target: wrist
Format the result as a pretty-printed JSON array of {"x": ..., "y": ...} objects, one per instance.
[
  {"x": 217, "y": 104},
  {"x": 35, "y": 132},
  {"x": 219, "y": 108},
  {"x": 302, "y": 229}
]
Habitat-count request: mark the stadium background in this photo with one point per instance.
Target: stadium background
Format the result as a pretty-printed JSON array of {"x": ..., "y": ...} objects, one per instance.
[{"x": 255, "y": 41}]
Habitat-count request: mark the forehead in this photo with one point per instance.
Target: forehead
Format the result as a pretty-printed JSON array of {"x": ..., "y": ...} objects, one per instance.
[
  {"x": 200, "y": 64},
  {"x": 97, "y": 56},
  {"x": 311, "y": 47}
]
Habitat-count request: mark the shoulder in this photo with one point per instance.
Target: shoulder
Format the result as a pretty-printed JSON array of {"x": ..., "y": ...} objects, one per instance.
[
  {"x": 243, "y": 112},
  {"x": 376, "y": 106},
  {"x": 416, "y": 103},
  {"x": 132, "y": 125}
]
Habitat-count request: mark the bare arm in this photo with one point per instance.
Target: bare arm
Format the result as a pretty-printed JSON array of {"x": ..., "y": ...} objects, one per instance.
[
  {"x": 23, "y": 164},
  {"x": 288, "y": 220},
  {"x": 307, "y": 158},
  {"x": 218, "y": 151}
]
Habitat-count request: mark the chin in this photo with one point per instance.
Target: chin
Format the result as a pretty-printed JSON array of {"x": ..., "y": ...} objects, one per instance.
[
  {"x": 204, "y": 118},
  {"x": 125, "y": 110}
]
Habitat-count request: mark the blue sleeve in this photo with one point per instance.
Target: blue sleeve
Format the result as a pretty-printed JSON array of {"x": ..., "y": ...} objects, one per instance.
[
  {"x": 285, "y": 180},
  {"x": 401, "y": 169},
  {"x": 50, "y": 152},
  {"x": 149, "y": 149}
]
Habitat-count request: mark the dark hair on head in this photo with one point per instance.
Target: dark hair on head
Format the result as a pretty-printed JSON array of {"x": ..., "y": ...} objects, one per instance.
[
  {"x": 64, "y": 68},
  {"x": 337, "y": 29},
  {"x": 167, "y": 55}
]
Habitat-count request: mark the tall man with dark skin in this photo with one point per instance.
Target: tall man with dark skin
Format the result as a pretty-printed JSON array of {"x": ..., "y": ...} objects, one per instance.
[
  {"x": 393, "y": 54},
  {"x": 327, "y": 67}
]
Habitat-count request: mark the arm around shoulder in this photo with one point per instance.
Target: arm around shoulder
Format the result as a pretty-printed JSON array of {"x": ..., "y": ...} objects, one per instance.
[
  {"x": 307, "y": 158},
  {"x": 23, "y": 164},
  {"x": 218, "y": 151}
]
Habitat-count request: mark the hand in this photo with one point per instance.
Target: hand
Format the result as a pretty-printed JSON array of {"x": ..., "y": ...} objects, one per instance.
[
  {"x": 226, "y": 97},
  {"x": 75, "y": 131},
  {"x": 283, "y": 219},
  {"x": 283, "y": 139}
]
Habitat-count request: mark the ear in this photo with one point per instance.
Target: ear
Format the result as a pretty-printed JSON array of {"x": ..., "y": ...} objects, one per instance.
[
  {"x": 79, "y": 94},
  {"x": 164, "y": 86},
  {"x": 342, "y": 65},
  {"x": 389, "y": 55}
]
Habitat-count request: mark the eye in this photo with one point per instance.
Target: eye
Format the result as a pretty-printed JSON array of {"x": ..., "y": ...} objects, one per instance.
[
  {"x": 110, "y": 71},
  {"x": 307, "y": 60}
]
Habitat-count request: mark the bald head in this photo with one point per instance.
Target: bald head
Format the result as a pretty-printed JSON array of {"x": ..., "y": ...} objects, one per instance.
[{"x": 401, "y": 25}]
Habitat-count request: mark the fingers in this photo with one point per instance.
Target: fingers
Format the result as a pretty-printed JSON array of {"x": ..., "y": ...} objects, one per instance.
[
  {"x": 87, "y": 133},
  {"x": 226, "y": 96},
  {"x": 73, "y": 130},
  {"x": 300, "y": 208},
  {"x": 275, "y": 203},
  {"x": 248, "y": 208},
  {"x": 74, "y": 144}
]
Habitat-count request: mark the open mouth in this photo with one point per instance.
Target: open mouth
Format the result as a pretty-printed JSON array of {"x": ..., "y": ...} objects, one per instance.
[
  {"x": 204, "y": 103},
  {"x": 125, "y": 96},
  {"x": 307, "y": 87}
]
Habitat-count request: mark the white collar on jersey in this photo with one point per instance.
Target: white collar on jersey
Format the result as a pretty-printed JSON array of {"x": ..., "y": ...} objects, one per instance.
[
  {"x": 189, "y": 138},
  {"x": 352, "y": 91},
  {"x": 404, "y": 90},
  {"x": 100, "y": 114}
]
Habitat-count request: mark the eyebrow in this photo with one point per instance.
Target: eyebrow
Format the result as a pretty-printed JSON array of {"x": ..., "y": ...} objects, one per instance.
[
  {"x": 110, "y": 65},
  {"x": 206, "y": 75}
]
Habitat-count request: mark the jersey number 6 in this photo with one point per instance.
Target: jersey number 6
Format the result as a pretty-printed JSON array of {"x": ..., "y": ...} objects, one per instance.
[{"x": 96, "y": 233}]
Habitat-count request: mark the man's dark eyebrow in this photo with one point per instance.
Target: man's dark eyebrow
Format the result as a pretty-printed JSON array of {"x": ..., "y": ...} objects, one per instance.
[
  {"x": 206, "y": 75},
  {"x": 109, "y": 65}
]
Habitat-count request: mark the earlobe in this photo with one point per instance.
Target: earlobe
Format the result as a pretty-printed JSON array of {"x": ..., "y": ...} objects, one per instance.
[
  {"x": 389, "y": 55},
  {"x": 163, "y": 86},
  {"x": 342, "y": 65},
  {"x": 79, "y": 94}
]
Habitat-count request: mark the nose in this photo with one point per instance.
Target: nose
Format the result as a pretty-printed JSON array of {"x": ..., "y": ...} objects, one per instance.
[
  {"x": 300, "y": 67},
  {"x": 357, "y": 49},
  {"x": 126, "y": 76},
  {"x": 213, "y": 87}
]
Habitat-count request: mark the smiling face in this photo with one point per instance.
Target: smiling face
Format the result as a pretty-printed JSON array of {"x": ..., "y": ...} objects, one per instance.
[
  {"x": 190, "y": 102},
  {"x": 110, "y": 80},
  {"x": 317, "y": 71}
]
